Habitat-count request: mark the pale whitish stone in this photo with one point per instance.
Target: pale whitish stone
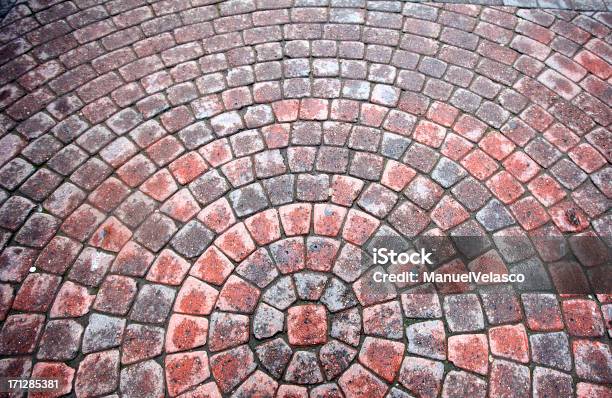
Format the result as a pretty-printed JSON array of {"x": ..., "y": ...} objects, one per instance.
[
  {"x": 310, "y": 285},
  {"x": 346, "y": 326},
  {"x": 338, "y": 296},
  {"x": 102, "y": 332},
  {"x": 267, "y": 322},
  {"x": 282, "y": 294},
  {"x": 304, "y": 369}
]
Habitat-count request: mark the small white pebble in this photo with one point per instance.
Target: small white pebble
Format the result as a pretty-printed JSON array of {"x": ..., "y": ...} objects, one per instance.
[{"x": 32, "y": 269}]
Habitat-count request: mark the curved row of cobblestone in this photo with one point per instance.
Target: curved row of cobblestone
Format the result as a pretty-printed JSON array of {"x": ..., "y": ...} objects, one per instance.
[{"x": 191, "y": 193}]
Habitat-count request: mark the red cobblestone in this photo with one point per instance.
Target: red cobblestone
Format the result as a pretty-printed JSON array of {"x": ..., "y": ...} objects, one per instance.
[
  {"x": 328, "y": 219},
  {"x": 479, "y": 164},
  {"x": 111, "y": 235},
  {"x": 505, "y": 187},
  {"x": 344, "y": 190},
  {"x": 358, "y": 227},
  {"x": 82, "y": 222},
  {"x": 455, "y": 147},
  {"x": 521, "y": 166},
  {"x": 212, "y": 266},
  {"x": 320, "y": 253},
  {"x": 133, "y": 260},
  {"x": 231, "y": 367},
  {"x": 237, "y": 295},
  {"x": 185, "y": 332},
  {"x": 236, "y": 242},
  {"x": 568, "y": 217},
  {"x": 509, "y": 342},
  {"x": 529, "y": 213},
  {"x": 169, "y": 268},
  {"x": 587, "y": 158},
  {"x": 264, "y": 227},
  {"x": 469, "y": 127},
  {"x": 98, "y": 373},
  {"x": 593, "y": 64},
  {"x": 470, "y": 352},
  {"x": 296, "y": 218},
  {"x": 307, "y": 325},
  {"x": 582, "y": 318},
  {"x": 397, "y": 175},
  {"x": 383, "y": 357},
  {"x": 218, "y": 216},
  {"x": 358, "y": 382},
  {"x": 72, "y": 300},
  {"x": 496, "y": 145},
  {"x": 20, "y": 333},
  {"x": 546, "y": 190},
  {"x": 36, "y": 293},
  {"x": 592, "y": 360},
  {"x": 184, "y": 371},
  {"x": 188, "y": 167},
  {"x": 59, "y": 371},
  {"x": 429, "y": 134}
]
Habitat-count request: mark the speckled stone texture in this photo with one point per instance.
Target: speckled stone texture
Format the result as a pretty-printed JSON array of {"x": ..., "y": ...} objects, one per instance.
[{"x": 189, "y": 191}]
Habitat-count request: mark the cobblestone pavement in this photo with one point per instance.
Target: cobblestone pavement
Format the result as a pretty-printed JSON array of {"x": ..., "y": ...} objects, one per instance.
[
  {"x": 579, "y": 5},
  {"x": 189, "y": 192}
]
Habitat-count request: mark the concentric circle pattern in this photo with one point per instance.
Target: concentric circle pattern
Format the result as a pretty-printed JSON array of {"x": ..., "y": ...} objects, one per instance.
[{"x": 191, "y": 192}]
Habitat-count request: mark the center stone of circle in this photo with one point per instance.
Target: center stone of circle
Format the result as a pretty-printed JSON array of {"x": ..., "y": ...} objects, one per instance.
[{"x": 307, "y": 324}]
